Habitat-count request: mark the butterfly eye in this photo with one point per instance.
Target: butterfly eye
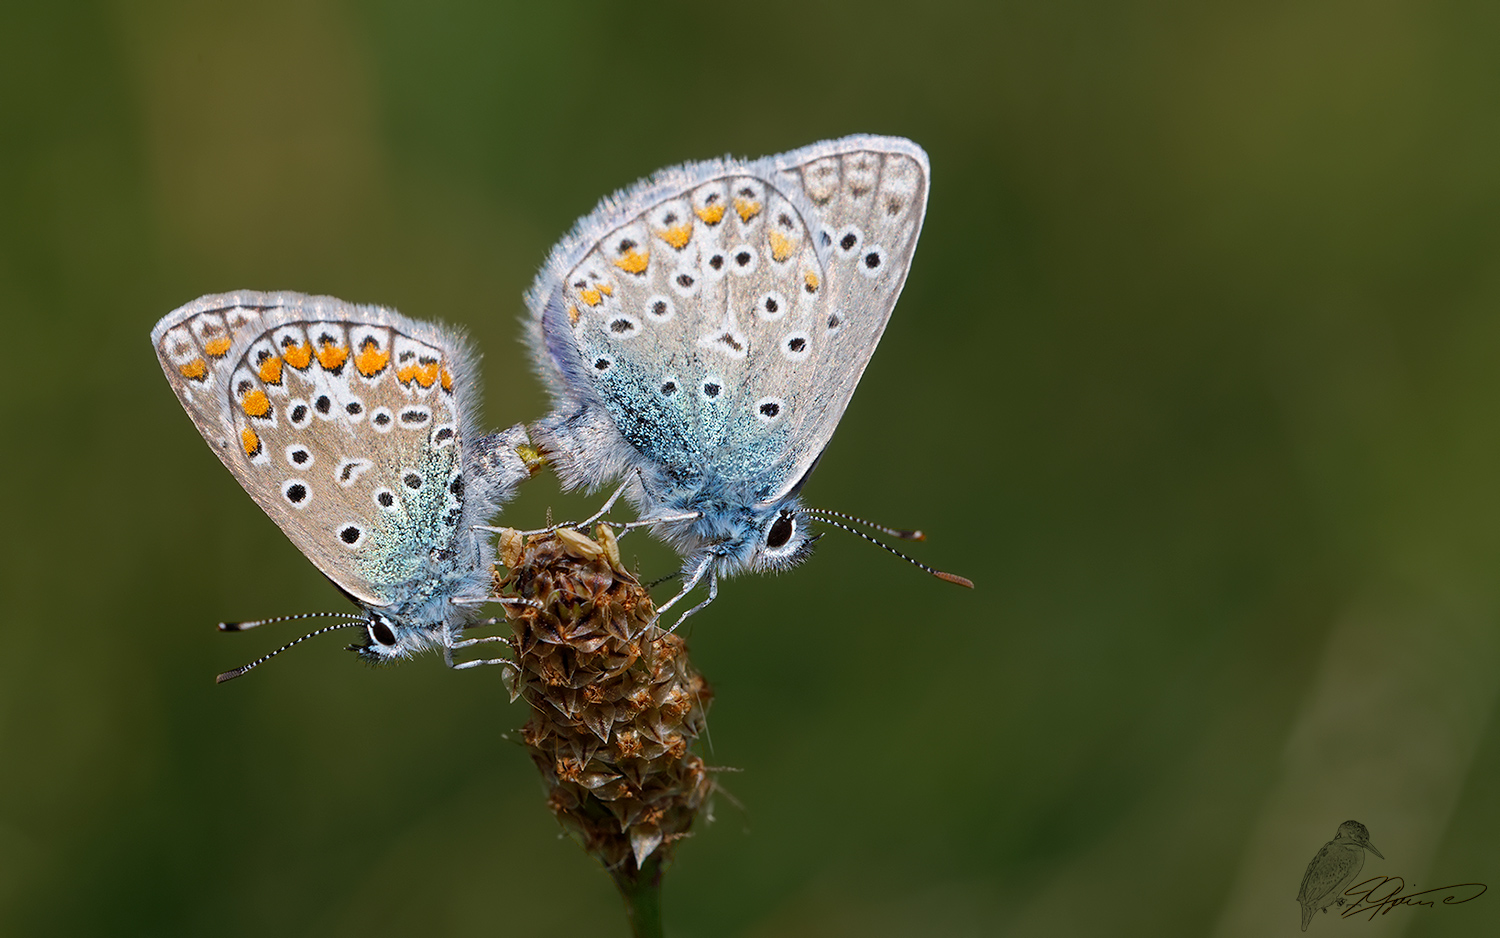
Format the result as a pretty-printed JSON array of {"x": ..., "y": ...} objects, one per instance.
[
  {"x": 382, "y": 633},
  {"x": 781, "y": 531}
]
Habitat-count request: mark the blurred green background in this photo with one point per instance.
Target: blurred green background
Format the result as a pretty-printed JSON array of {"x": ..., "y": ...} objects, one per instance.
[{"x": 1195, "y": 375}]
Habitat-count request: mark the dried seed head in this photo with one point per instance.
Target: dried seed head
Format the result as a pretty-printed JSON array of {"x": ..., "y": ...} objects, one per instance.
[
  {"x": 611, "y": 545},
  {"x": 578, "y": 544},
  {"x": 511, "y": 543},
  {"x": 616, "y": 705}
]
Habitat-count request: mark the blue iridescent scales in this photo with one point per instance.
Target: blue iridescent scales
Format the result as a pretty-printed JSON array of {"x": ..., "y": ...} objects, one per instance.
[{"x": 703, "y": 332}]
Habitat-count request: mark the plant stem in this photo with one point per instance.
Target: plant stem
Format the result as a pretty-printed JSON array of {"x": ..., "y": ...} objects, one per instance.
[{"x": 642, "y": 895}]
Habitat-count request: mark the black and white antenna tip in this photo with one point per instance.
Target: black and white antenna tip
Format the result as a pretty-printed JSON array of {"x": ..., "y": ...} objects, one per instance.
[{"x": 823, "y": 516}]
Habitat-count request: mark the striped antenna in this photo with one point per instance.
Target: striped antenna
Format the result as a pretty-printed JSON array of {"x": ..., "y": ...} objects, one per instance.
[
  {"x": 893, "y": 532},
  {"x": 949, "y": 577},
  {"x": 257, "y": 623},
  {"x": 231, "y": 675}
]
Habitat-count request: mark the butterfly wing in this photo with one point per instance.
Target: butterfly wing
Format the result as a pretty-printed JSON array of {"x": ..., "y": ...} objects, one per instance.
[
  {"x": 869, "y": 196},
  {"x": 722, "y": 313},
  {"x": 347, "y": 425}
]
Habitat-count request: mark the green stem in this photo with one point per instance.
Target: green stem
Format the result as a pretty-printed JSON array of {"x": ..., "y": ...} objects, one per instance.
[{"x": 642, "y": 895}]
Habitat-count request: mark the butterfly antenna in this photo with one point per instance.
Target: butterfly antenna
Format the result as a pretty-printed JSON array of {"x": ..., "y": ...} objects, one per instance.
[
  {"x": 950, "y": 577},
  {"x": 231, "y": 675},
  {"x": 893, "y": 532},
  {"x": 256, "y": 623}
]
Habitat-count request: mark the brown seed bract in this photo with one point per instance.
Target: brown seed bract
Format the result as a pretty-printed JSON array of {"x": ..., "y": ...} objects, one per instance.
[{"x": 616, "y": 705}]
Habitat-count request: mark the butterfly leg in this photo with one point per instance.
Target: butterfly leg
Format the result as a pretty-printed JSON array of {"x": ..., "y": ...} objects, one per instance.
[
  {"x": 713, "y": 593},
  {"x": 477, "y": 662},
  {"x": 604, "y": 510},
  {"x": 502, "y": 600},
  {"x": 449, "y": 646},
  {"x": 687, "y": 587},
  {"x": 482, "y": 624},
  {"x": 481, "y": 662},
  {"x": 629, "y": 526},
  {"x": 470, "y": 642},
  {"x": 579, "y": 525}
]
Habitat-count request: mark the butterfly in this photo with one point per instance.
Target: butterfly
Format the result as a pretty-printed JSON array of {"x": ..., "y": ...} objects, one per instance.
[
  {"x": 703, "y": 331},
  {"x": 355, "y": 429}
]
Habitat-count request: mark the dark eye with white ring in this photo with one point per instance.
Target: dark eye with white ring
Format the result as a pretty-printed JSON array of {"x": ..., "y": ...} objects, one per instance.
[
  {"x": 382, "y": 633},
  {"x": 782, "y": 530}
]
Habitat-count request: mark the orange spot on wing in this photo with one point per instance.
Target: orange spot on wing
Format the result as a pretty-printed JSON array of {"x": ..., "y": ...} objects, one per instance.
[
  {"x": 256, "y": 403},
  {"x": 270, "y": 370},
  {"x": 711, "y": 214},
  {"x": 812, "y": 282},
  {"x": 371, "y": 361},
  {"x": 634, "y": 262},
  {"x": 573, "y": 314},
  {"x": 747, "y": 208},
  {"x": 331, "y": 357},
  {"x": 781, "y": 246},
  {"x": 217, "y": 347},
  {"x": 605, "y": 288},
  {"x": 678, "y": 235},
  {"x": 298, "y": 356},
  {"x": 424, "y": 373},
  {"x": 447, "y": 380},
  {"x": 590, "y": 297},
  {"x": 250, "y": 441},
  {"x": 197, "y": 369}
]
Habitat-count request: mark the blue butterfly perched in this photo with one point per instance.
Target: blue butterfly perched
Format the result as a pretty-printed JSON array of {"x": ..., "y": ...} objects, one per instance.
[
  {"x": 703, "y": 331},
  {"x": 355, "y": 429}
]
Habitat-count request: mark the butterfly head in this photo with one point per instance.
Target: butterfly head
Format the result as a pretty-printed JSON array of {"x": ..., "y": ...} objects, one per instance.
[
  {"x": 764, "y": 539},
  {"x": 785, "y": 541},
  {"x": 386, "y": 640}
]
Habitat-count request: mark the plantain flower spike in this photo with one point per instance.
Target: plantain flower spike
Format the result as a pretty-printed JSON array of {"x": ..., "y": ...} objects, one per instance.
[{"x": 615, "y": 703}]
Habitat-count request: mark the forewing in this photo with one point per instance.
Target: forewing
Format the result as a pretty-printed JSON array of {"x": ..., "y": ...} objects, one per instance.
[
  {"x": 723, "y": 313},
  {"x": 868, "y": 196},
  {"x": 345, "y": 424}
]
